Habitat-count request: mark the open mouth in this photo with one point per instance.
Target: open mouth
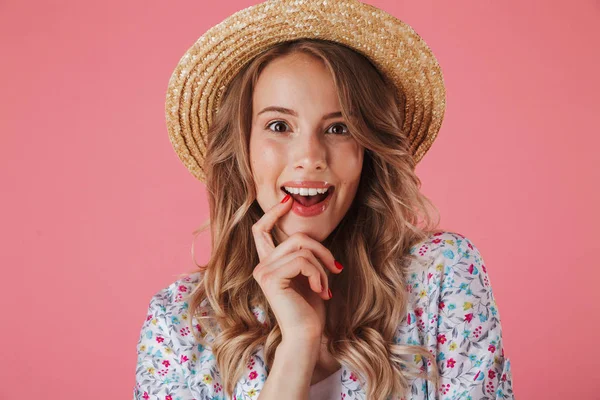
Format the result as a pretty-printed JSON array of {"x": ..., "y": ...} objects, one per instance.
[{"x": 308, "y": 197}]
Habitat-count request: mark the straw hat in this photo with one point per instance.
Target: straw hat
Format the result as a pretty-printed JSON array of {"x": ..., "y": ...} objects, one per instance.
[{"x": 199, "y": 80}]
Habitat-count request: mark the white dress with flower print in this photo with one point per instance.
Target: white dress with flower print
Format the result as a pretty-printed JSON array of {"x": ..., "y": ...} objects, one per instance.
[{"x": 451, "y": 311}]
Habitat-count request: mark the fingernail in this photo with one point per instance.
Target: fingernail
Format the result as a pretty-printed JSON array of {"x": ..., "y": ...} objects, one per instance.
[
  {"x": 338, "y": 265},
  {"x": 330, "y": 295},
  {"x": 286, "y": 198}
]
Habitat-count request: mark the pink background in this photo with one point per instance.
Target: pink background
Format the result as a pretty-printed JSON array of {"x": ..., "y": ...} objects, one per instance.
[{"x": 97, "y": 210}]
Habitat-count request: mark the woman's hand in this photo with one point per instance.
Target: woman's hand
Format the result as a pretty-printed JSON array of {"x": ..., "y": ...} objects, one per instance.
[{"x": 298, "y": 303}]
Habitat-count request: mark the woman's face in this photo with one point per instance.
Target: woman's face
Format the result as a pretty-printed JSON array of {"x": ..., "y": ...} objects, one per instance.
[{"x": 299, "y": 140}]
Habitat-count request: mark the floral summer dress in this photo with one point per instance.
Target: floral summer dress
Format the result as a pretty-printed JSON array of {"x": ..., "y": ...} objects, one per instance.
[{"x": 451, "y": 311}]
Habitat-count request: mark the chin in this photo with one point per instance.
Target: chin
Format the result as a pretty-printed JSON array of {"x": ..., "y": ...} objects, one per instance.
[{"x": 309, "y": 228}]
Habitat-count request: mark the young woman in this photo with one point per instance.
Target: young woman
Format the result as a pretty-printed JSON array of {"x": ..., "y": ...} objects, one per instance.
[{"x": 328, "y": 277}]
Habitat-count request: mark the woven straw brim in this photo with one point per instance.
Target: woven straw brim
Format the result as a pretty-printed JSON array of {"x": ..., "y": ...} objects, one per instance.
[{"x": 203, "y": 73}]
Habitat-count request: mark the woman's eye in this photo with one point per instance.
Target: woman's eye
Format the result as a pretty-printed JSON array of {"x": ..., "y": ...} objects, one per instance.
[
  {"x": 277, "y": 123},
  {"x": 339, "y": 131}
]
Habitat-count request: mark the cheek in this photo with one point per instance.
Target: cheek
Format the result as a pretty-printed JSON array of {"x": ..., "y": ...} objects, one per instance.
[
  {"x": 348, "y": 163},
  {"x": 266, "y": 158}
]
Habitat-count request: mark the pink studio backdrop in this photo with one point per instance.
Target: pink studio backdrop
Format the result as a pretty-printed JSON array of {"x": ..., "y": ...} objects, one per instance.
[{"x": 97, "y": 210}]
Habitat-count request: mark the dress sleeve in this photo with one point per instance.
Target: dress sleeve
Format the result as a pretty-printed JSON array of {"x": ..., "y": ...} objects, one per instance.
[
  {"x": 469, "y": 349},
  {"x": 159, "y": 372}
]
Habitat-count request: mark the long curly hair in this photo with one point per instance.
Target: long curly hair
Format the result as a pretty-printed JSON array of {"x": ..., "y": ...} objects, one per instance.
[{"x": 389, "y": 214}]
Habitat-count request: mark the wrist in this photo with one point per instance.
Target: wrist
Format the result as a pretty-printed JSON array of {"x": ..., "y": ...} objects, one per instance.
[
  {"x": 300, "y": 341},
  {"x": 299, "y": 347}
]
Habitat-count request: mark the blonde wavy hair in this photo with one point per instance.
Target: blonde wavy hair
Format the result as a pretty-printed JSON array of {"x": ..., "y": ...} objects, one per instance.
[{"x": 388, "y": 215}]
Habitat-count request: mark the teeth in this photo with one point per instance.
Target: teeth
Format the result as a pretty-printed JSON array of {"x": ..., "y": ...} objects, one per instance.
[{"x": 304, "y": 191}]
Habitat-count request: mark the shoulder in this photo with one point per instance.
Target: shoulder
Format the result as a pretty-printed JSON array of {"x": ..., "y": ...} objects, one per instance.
[
  {"x": 448, "y": 276},
  {"x": 167, "y": 352},
  {"x": 171, "y": 303},
  {"x": 170, "y": 358},
  {"x": 446, "y": 246},
  {"x": 444, "y": 256},
  {"x": 178, "y": 289},
  {"x": 454, "y": 313}
]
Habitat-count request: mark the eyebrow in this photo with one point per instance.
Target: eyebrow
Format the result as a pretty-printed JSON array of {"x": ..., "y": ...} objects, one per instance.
[{"x": 288, "y": 111}]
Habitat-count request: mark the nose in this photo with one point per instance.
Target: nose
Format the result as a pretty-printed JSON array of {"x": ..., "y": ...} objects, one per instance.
[{"x": 310, "y": 153}]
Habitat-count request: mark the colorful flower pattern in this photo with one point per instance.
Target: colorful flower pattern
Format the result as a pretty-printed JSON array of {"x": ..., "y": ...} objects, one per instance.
[{"x": 451, "y": 311}]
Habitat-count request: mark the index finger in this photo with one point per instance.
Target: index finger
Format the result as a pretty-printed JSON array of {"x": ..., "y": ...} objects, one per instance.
[{"x": 261, "y": 230}]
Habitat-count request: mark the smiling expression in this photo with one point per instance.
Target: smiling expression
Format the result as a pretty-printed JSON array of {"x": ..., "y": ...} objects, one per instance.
[{"x": 299, "y": 138}]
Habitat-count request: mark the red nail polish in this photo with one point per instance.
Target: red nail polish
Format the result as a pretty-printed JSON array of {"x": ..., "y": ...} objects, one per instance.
[
  {"x": 330, "y": 295},
  {"x": 338, "y": 265},
  {"x": 286, "y": 198}
]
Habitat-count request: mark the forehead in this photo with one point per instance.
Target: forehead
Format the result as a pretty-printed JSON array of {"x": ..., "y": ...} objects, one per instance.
[{"x": 292, "y": 79}]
